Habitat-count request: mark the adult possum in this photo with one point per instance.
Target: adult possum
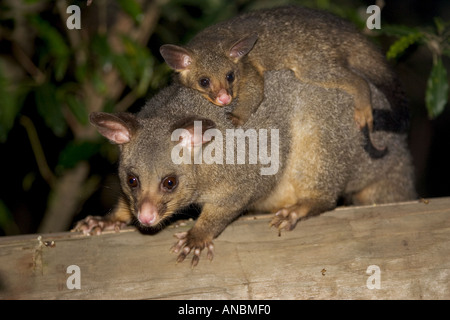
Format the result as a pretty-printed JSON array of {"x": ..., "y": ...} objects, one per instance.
[{"x": 317, "y": 158}]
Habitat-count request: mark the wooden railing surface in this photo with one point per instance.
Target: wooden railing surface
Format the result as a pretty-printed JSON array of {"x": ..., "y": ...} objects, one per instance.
[{"x": 395, "y": 251}]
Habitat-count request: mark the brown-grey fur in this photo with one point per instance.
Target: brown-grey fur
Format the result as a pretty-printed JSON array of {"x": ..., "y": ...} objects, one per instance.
[
  {"x": 321, "y": 158},
  {"x": 320, "y": 47}
]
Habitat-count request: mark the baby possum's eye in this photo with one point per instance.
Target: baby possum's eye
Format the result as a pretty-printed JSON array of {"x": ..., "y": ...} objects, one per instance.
[
  {"x": 204, "y": 82},
  {"x": 230, "y": 76},
  {"x": 169, "y": 183},
  {"x": 133, "y": 181}
]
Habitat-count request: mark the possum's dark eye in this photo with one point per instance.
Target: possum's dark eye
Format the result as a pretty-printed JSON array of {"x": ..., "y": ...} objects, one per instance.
[
  {"x": 204, "y": 82},
  {"x": 230, "y": 76},
  {"x": 169, "y": 183},
  {"x": 133, "y": 181}
]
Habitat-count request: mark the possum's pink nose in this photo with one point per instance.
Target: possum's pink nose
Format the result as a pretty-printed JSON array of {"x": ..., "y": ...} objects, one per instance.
[
  {"x": 223, "y": 97},
  {"x": 148, "y": 214}
]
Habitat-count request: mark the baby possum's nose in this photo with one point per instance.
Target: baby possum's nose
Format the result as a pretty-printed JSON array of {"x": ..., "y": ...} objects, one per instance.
[
  {"x": 148, "y": 213},
  {"x": 223, "y": 98}
]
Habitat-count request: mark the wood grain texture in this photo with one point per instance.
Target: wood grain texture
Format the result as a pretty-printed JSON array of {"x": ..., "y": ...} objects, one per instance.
[{"x": 324, "y": 257}]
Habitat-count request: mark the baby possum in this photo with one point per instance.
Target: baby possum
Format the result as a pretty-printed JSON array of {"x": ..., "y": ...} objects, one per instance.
[
  {"x": 321, "y": 158},
  {"x": 227, "y": 61}
]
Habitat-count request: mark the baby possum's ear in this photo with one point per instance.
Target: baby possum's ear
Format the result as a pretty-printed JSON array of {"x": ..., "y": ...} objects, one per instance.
[
  {"x": 178, "y": 58},
  {"x": 190, "y": 131},
  {"x": 243, "y": 46},
  {"x": 118, "y": 128}
]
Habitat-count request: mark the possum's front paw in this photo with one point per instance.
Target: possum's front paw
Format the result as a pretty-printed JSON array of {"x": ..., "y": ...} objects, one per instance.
[
  {"x": 189, "y": 242},
  {"x": 235, "y": 120},
  {"x": 95, "y": 225}
]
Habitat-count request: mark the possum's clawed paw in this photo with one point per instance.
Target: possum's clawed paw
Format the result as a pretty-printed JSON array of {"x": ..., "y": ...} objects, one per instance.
[
  {"x": 287, "y": 218},
  {"x": 363, "y": 117},
  {"x": 188, "y": 243},
  {"x": 237, "y": 122},
  {"x": 95, "y": 225}
]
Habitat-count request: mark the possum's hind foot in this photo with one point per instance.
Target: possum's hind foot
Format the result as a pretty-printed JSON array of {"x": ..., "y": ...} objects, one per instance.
[
  {"x": 95, "y": 225},
  {"x": 187, "y": 242},
  {"x": 287, "y": 218}
]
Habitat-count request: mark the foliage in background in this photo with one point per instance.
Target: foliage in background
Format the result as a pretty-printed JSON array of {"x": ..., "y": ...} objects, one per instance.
[
  {"x": 51, "y": 78},
  {"x": 437, "y": 40}
]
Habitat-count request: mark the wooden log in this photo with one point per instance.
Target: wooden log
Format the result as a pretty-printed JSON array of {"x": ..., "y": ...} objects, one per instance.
[{"x": 396, "y": 251}]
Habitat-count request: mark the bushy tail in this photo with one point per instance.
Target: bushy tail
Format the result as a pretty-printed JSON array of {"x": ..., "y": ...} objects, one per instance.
[
  {"x": 397, "y": 118},
  {"x": 376, "y": 70}
]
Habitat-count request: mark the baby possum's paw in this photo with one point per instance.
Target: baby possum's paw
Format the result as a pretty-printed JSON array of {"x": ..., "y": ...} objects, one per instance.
[
  {"x": 364, "y": 117},
  {"x": 236, "y": 121},
  {"x": 189, "y": 242},
  {"x": 95, "y": 225}
]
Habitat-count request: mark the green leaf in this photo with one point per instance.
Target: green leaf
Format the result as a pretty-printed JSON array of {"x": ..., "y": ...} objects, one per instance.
[
  {"x": 5, "y": 215},
  {"x": 7, "y": 220},
  {"x": 60, "y": 67},
  {"x": 397, "y": 30},
  {"x": 440, "y": 25},
  {"x": 126, "y": 69},
  {"x": 49, "y": 34},
  {"x": 78, "y": 108},
  {"x": 136, "y": 66},
  {"x": 398, "y": 47},
  {"x": 9, "y": 104},
  {"x": 28, "y": 181},
  {"x": 109, "y": 105},
  {"x": 132, "y": 8},
  {"x": 145, "y": 78},
  {"x": 49, "y": 108},
  {"x": 81, "y": 72},
  {"x": 436, "y": 95},
  {"x": 446, "y": 51},
  {"x": 75, "y": 152},
  {"x": 98, "y": 83},
  {"x": 102, "y": 49},
  {"x": 55, "y": 45}
]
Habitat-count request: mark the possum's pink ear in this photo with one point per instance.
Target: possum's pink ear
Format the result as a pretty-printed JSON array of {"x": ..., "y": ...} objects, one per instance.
[
  {"x": 243, "y": 46},
  {"x": 190, "y": 132},
  {"x": 117, "y": 128},
  {"x": 178, "y": 58}
]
